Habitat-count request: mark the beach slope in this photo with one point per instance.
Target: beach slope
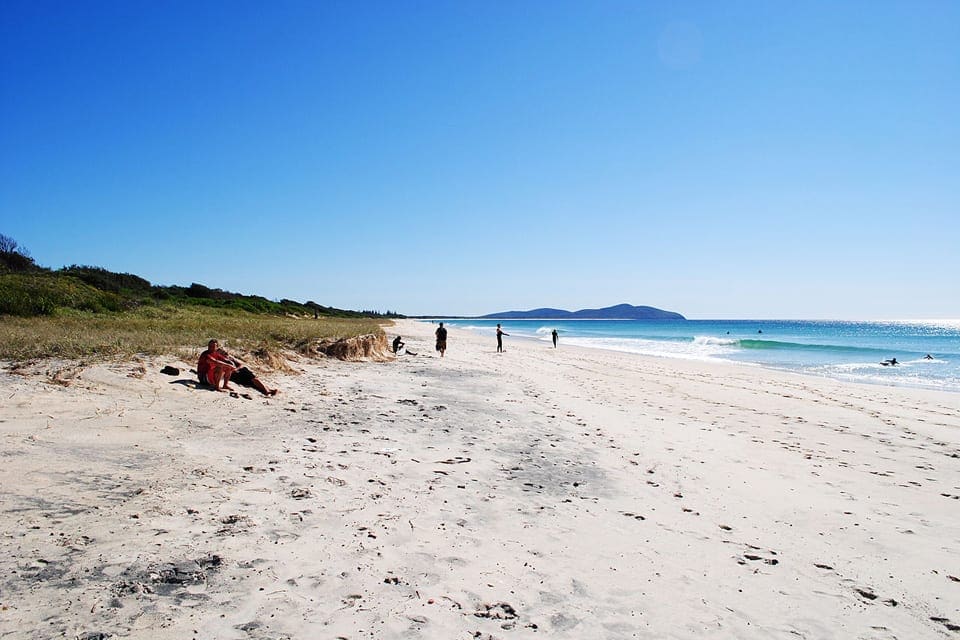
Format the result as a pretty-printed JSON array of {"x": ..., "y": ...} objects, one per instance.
[{"x": 566, "y": 493}]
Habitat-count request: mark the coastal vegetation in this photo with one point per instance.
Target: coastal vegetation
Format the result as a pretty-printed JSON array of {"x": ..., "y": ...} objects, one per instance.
[{"x": 82, "y": 312}]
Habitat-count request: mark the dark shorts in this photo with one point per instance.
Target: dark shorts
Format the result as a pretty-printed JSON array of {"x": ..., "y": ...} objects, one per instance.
[{"x": 243, "y": 376}]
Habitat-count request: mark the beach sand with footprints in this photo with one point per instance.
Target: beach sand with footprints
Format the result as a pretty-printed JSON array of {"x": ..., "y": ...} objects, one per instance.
[{"x": 538, "y": 493}]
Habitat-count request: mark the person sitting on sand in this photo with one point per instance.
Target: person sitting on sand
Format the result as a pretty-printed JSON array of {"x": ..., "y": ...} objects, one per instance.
[
  {"x": 217, "y": 368},
  {"x": 213, "y": 369},
  {"x": 397, "y": 344}
]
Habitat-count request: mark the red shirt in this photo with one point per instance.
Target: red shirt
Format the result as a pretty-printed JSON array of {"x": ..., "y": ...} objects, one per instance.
[{"x": 207, "y": 358}]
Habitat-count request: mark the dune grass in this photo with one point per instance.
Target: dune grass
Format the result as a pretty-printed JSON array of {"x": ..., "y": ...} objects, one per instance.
[{"x": 165, "y": 330}]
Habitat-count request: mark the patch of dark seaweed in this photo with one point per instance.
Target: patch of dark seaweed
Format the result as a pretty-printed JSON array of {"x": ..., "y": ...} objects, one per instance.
[
  {"x": 42, "y": 571},
  {"x": 167, "y": 578}
]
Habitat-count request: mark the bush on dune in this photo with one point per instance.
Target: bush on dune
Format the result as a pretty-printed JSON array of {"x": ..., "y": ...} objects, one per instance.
[
  {"x": 105, "y": 280},
  {"x": 41, "y": 294},
  {"x": 15, "y": 257}
]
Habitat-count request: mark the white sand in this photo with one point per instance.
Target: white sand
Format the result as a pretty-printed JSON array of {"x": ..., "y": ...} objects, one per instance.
[{"x": 538, "y": 493}]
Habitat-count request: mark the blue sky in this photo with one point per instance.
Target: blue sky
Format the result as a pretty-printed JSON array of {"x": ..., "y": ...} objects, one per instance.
[{"x": 722, "y": 160}]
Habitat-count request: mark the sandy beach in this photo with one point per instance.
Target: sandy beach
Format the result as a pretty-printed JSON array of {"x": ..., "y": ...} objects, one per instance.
[{"x": 538, "y": 493}]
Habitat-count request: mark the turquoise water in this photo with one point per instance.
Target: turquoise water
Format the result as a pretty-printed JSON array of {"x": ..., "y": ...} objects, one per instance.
[{"x": 843, "y": 350}]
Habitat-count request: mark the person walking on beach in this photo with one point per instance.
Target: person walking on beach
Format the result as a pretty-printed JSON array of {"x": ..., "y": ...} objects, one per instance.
[
  {"x": 441, "y": 339},
  {"x": 500, "y": 334},
  {"x": 554, "y": 335}
]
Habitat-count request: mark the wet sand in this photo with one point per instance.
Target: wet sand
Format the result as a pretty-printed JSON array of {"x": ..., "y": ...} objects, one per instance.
[{"x": 538, "y": 493}]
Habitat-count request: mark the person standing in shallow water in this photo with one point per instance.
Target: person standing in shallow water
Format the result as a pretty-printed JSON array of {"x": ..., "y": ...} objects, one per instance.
[
  {"x": 500, "y": 334},
  {"x": 555, "y": 335},
  {"x": 441, "y": 340}
]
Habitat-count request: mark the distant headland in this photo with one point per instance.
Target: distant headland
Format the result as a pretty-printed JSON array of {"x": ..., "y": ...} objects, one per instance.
[{"x": 616, "y": 312}]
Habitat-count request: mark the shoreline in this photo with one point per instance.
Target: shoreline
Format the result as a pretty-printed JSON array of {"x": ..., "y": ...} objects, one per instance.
[
  {"x": 949, "y": 385},
  {"x": 564, "y": 493}
]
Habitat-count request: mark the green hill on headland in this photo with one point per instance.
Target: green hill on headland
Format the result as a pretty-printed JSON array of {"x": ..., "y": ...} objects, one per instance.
[{"x": 616, "y": 312}]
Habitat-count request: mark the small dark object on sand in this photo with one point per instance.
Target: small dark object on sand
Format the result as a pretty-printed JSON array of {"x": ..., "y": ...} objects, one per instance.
[{"x": 170, "y": 371}]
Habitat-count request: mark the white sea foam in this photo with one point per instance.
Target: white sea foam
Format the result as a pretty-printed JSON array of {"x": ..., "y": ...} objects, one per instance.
[
  {"x": 848, "y": 367},
  {"x": 712, "y": 340},
  {"x": 485, "y": 330},
  {"x": 947, "y": 384},
  {"x": 690, "y": 350},
  {"x": 905, "y": 374},
  {"x": 545, "y": 334}
]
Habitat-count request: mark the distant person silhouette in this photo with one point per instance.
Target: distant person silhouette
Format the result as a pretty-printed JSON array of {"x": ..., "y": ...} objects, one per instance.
[
  {"x": 928, "y": 357},
  {"x": 397, "y": 344},
  {"x": 441, "y": 340},
  {"x": 554, "y": 335},
  {"x": 500, "y": 335}
]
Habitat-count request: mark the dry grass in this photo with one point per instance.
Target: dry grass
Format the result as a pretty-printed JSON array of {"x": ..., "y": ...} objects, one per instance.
[{"x": 166, "y": 331}]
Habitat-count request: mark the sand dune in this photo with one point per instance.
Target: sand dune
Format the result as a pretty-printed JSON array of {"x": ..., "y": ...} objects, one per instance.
[{"x": 537, "y": 493}]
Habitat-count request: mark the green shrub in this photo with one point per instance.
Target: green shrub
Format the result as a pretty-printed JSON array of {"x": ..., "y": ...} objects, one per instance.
[
  {"x": 42, "y": 294},
  {"x": 108, "y": 280}
]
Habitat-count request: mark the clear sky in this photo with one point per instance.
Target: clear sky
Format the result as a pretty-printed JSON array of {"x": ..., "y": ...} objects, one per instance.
[{"x": 719, "y": 159}]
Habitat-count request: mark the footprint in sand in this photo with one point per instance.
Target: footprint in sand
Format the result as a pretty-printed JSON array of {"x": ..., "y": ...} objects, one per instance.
[
  {"x": 754, "y": 557},
  {"x": 945, "y": 622},
  {"x": 867, "y": 594}
]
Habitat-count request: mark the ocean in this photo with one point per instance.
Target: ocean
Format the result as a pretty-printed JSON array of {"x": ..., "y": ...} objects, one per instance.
[{"x": 836, "y": 349}]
